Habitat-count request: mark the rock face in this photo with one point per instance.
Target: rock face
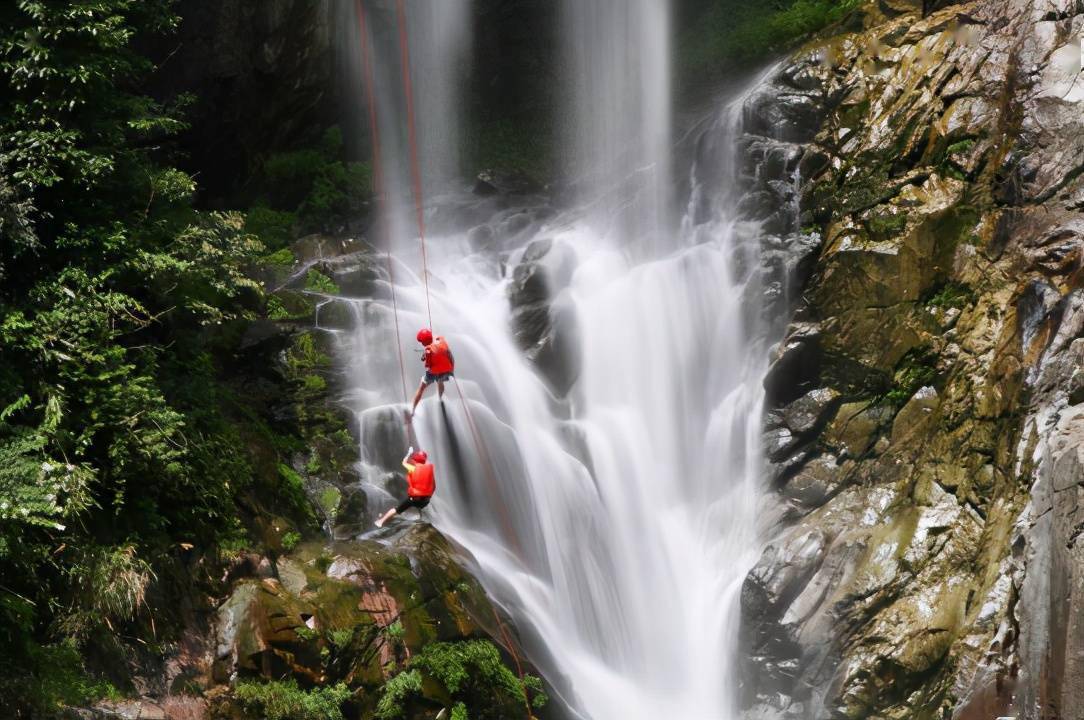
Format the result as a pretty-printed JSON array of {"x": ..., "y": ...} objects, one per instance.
[
  {"x": 925, "y": 412},
  {"x": 545, "y": 322},
  {"x": 353, "y": 615}
]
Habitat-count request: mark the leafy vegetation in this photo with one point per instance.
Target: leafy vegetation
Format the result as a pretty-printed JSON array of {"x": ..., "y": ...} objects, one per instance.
[
  {"x": 284, "y": 700},
  {"x": 120, "y": 446},
  {"x": 886, "y": 225},
  {"x": 916, "y": 369},
  {"x": 471, "y": 678},
  {"x": 951, "y": 295},
  {"x": 308, "y": 189},
  {"x": 732, "y": 32}
]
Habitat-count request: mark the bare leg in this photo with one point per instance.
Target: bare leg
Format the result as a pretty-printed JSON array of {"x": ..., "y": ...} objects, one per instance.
[
  {"x": 386, "y": 516},
  {"x": 440, "y": 390},
  {"x": 418, "y": 396}
]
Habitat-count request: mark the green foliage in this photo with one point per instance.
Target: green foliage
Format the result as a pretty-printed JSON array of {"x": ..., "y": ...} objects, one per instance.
[
  {"x": 117, "y": 299},
  {"x": 58, "y": 681},
  {"x": 112, "y": 585},
  {"x": 733, "y": 32},
  {"x": 960, "y": 148},
  {"x": 341, "y": 637},
  {"x": 397, "y": 691},
  {"x": 290, "y": 540},
  {"x": 284, "y": 700},
  {"x": 318, "y": 282},
  {"x": 273, "y": 227},
  {"x": 886, "y": 225},
  {"x": 951, "y": 295},
  {"x": 282, "y": 258},
  {"x": 916, "y": 369},
  {"x": 469, "y": 672},
  {"x": 276, "y": 310},
  {"x": 312, "y": 187}
]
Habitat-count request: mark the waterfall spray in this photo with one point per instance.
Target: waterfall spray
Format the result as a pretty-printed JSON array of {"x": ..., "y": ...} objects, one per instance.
[{"x": 622, "y": 522}]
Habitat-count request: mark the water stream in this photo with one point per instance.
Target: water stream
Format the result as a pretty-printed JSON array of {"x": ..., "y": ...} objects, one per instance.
[{"x": 615, "y": 522}]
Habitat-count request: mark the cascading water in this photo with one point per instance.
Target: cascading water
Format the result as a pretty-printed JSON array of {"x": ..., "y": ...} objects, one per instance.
[
  {"x": 614, "y": 521},
  {"x": 618, "y": 75}
]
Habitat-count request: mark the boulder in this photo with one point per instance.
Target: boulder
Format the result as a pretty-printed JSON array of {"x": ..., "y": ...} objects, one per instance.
[
  {"x": 810, "y": 412},
  {"x": 795, "y": 365},
  {"x": 817, "y": 481},
  {"x": 544, "y": 319}
]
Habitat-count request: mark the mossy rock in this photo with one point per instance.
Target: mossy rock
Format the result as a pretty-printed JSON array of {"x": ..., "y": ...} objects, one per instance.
[{"x": 291, "y": 305}]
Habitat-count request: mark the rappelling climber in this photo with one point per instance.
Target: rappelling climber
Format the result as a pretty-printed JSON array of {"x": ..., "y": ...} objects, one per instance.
[
  {"x": 439, "y": 365},
  {"x": 421, "y": 484}
]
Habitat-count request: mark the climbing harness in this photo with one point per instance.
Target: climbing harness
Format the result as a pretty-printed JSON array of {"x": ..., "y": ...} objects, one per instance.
[{"x": 419, "y": 210}]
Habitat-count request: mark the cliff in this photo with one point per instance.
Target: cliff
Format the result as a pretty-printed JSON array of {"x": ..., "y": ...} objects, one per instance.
[{"x": 926, "y": 409}]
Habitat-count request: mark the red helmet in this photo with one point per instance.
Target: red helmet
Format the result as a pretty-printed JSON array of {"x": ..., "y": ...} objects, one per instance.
[
  {"x": 425, "y": 336},
  {"x": 419, "y": 457}
]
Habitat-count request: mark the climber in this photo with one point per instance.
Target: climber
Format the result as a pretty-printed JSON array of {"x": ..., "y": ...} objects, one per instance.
[
  {"x": 421, "y": 483},
  {"x": 439, "y": 365}
]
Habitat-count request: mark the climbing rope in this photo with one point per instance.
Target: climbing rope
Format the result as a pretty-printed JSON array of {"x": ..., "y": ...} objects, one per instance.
[
  {"x": 378, "y": 182},
  {"x": 412, "y": 137},
  {"x": 419, "y": 210}
]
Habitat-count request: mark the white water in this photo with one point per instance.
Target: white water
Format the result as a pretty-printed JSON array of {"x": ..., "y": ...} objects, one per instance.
[
  {"x": 616, "y": 525},
  {"x": 617, "y": 71}
]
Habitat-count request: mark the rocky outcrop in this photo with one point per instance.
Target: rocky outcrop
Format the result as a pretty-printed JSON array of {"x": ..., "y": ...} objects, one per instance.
[
  {"x": 925, "y": 412},
  {"x": 350, "y": 612},
  {"x": 544, "y": 320}
]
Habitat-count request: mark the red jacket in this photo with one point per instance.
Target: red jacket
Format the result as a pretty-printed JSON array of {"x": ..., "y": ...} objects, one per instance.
[
  {"x": 421, "y": 482},
  {"x": 438, "y": 357}
]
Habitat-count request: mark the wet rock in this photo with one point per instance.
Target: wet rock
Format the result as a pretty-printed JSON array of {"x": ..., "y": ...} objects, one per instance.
[
  {"x": 780, "y": 442},
  {"x": 383, "y": 437},
  {"x": 936, "y": 578},
  {"x": 809, "y": 412},
  {"x": 854, "y": 427},
  {"x": 796, "y": 364},
  {"x": 913, "y": 418},
  {"x": 817, "y": 481},
  {"x": 544, "y": 321},
  {"x": 781, "y": 572},
  {"x": 785, "y": 114},
  {"x": 356, "y": 274},
  {"x": 326, "y": 618},
  {"x": 335, "y": 314},
  {"x": 312, "y": 248}
]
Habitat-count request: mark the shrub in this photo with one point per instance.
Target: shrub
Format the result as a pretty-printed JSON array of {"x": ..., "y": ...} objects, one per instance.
[
  {"x": 284, "y": 700},
  {"x": 470, "y": 672}
]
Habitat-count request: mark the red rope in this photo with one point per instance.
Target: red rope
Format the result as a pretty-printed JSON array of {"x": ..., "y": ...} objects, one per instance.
[
  {"x": 515, "y": 659},
  {"x": 378, "y": 181},
  {"x": 487, "y": 464},
  {"x": 416, "y": 179},
  {"x": 412, "y": 135}
]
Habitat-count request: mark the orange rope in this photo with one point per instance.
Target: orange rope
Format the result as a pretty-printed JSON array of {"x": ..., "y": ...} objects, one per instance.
[
  {"x": 378, "y": 181},
  {"x": 515, "y": 659},
  {"x": 415, "y": 167},
  {"x": 415, "y": 172}
]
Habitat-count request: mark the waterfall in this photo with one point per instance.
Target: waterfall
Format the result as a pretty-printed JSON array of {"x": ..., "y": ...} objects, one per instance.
[
  {"x": 617, "y": 73},
  {"x": 436, "y": 38},
  {"x": 612, "y": 515}
]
